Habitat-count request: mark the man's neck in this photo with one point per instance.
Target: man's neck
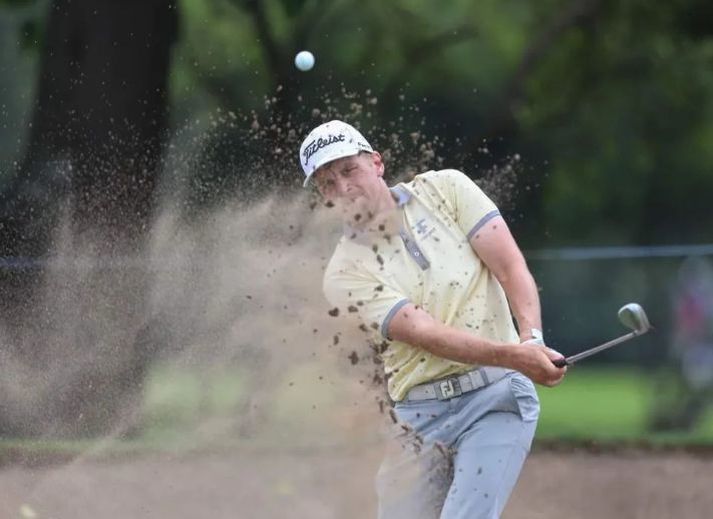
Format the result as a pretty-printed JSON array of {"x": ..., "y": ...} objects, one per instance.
[{"x": 384, "y": 219}]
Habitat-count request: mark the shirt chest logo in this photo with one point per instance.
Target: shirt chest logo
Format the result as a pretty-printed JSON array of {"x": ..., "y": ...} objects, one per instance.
[{"x": 423, "y": 228}]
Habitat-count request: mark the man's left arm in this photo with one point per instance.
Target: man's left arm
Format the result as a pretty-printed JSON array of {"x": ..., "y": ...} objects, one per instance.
[{"x": 496, "y": 247}]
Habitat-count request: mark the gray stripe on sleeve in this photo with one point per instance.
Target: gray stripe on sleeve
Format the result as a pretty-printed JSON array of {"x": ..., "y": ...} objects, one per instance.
[
  {"x": 485, "y": 219},
  {"x": 390, "y": 315}
]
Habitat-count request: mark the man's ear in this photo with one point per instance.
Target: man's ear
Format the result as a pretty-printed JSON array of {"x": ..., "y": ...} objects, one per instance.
[{"x": 378, "y": 162}]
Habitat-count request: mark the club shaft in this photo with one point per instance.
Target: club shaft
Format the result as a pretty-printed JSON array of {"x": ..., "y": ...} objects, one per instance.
[{"x": 587, "y": 353}]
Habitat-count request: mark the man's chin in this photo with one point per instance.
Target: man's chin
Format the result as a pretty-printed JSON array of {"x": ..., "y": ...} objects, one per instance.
[{"x": 355, "y": 212}]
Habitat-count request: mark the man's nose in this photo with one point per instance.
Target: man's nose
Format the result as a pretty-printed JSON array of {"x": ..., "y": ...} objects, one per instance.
[{"x": 343, "y": 186}]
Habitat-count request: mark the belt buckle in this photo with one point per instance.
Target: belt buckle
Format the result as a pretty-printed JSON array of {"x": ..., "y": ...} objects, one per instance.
[{"x": 448, "y": 388}]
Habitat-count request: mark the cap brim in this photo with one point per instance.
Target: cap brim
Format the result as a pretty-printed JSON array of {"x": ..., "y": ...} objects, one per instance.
[{"x": 330, "y": 158}]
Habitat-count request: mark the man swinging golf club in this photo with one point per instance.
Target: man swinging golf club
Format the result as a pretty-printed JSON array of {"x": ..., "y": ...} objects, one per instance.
[{"x": 431, "y": 266}]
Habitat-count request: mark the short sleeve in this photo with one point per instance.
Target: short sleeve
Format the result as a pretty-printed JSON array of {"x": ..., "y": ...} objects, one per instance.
[
  {"x": 375, "y": 302},
  {"x": 471, "y": 207}
]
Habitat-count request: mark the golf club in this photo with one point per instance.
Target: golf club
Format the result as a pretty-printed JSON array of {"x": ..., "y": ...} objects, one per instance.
[{"x": 630, "y": 315}]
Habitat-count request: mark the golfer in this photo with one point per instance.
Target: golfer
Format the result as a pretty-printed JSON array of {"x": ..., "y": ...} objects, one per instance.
[{"x": 431, "y": 268}]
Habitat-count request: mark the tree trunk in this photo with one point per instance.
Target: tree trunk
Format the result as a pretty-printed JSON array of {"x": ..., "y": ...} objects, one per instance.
[
  {"x": 93, "y": 153},
  {"x": 99, "y": 122}
]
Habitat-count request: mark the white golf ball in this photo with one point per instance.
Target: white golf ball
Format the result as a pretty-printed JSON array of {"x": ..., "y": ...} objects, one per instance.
[{"x": 304, "y": 60}]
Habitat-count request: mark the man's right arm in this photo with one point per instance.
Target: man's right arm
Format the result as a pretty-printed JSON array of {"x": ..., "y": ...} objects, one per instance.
[{"x": 415, "y": 326}]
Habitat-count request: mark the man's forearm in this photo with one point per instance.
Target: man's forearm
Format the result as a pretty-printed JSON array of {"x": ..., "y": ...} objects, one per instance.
[
  {"x": 521, "y": 291},
  {"x": 415, "y": 327}
]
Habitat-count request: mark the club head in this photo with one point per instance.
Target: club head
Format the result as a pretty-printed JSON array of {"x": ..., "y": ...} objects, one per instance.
[{"x": 633, "y": 316}]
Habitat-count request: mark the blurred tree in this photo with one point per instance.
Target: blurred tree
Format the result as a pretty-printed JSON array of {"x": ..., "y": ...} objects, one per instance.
[
  {"x": 591, "y": 93},
  {"x": 608, "y": 103},
  {"x": 93, "y": 154},
  {"x": 363, "y": 58},
  {"x": 99, "y": 123},
  {"x": 623, "y": 110}
]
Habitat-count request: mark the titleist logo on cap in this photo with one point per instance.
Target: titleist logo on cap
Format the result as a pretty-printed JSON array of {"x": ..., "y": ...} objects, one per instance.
[{"x": 317, "y": 144}]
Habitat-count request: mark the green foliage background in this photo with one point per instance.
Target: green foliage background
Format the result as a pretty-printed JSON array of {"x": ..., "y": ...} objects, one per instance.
[
  {"x": 611, "y": 110},
  {"x": 609, "y": 104}
]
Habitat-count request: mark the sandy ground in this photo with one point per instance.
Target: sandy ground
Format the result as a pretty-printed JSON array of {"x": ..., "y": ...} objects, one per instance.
[{"x": 336, "y": 484}]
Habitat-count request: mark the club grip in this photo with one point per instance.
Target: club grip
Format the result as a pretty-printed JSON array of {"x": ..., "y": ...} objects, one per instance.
[{"x": 560, "y": 363}]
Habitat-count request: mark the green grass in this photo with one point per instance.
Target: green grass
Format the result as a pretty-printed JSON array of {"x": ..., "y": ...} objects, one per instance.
[
  {"x": 178, "y": 400},
  {"x": 611, "y": 404},
  {"x": 186, "y": 410},
  {"x": 601, "y": 404}
]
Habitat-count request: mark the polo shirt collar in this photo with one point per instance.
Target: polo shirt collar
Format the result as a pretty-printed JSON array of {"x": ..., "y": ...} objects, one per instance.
[
  {"x": 402, "y": 197},
  {"x": 401, "y": 193}
]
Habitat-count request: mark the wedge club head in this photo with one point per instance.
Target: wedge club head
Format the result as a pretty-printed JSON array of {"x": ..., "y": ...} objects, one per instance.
[{"x": 632, "y": 316}]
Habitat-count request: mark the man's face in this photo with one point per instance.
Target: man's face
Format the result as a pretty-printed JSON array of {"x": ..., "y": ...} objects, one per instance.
[{"x": 353, "y": 184}]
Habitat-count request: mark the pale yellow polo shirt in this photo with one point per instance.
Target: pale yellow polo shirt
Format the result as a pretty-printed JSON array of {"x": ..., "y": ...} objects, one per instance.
[{"x": 428, "y": 262}]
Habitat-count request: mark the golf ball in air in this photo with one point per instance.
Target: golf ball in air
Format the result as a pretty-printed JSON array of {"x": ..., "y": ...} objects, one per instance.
[{"x": 304, "y": 60}]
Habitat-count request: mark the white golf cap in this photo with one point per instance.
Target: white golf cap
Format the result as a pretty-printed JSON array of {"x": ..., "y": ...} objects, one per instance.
[{"x": 330, "y": 141}]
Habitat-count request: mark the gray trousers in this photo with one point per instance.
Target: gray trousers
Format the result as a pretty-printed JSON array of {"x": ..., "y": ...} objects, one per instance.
[{"x": 459, "y": 458}]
